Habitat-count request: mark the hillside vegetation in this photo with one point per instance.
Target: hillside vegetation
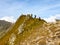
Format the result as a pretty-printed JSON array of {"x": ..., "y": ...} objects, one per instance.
[{"x": 32, "y": 31}]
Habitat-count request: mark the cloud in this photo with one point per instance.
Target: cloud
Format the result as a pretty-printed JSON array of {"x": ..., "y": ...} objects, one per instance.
[
  {"x": 52, "y": 18},
  {"x": 17, "y": 7},
  {"x": 8, "y": 18}
]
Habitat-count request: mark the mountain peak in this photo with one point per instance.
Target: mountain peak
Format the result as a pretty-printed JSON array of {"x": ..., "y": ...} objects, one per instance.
[{"x": 31, "y": 30}]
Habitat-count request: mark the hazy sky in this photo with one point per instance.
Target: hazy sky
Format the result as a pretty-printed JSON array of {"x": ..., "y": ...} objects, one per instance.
[{"x": 42, "y": 8}]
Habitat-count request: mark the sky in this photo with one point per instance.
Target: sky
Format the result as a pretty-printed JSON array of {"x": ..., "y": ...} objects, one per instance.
[{"x": 10, "y": 10}]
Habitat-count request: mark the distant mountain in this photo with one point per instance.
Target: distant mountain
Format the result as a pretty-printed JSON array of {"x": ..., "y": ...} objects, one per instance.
[
  {"x": 32, "y": 31},
  {"x": 4, "y": 26}
]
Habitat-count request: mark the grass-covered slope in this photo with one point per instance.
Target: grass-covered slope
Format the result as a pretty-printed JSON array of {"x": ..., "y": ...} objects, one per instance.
[{"x": 32, "y": 31}]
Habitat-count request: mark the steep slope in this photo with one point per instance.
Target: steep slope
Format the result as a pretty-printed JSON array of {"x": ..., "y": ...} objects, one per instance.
[
  {"x": 32, "y": 31},
  {"x": 5, "y": 38}
]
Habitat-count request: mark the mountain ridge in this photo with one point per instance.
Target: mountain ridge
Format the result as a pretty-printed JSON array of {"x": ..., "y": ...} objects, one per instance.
[{"x": 32, "y": 31}]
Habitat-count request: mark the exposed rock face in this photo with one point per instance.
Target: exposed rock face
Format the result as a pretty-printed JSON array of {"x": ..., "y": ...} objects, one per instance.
[
  {"x": 32, "y": 31},
  {"x": 12, "y": 39}
]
